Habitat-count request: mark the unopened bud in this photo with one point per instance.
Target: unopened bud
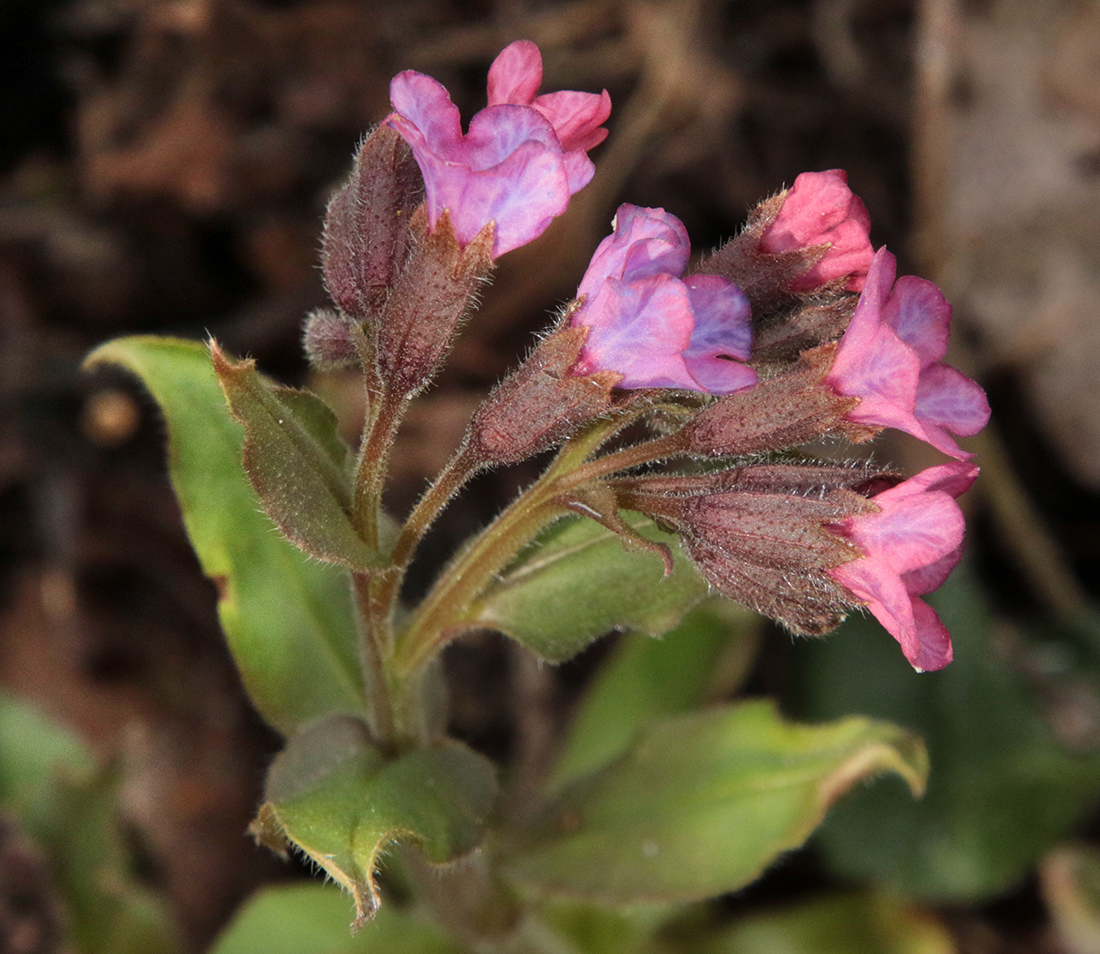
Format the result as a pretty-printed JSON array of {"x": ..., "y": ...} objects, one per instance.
[
  {"x": 779, "y": 413},
  {"x": 541, "y": 403},
  {"x": 367, "y": 222},
  {"x": 329, "y": 340},
  {"x": 434, "y": 292}
]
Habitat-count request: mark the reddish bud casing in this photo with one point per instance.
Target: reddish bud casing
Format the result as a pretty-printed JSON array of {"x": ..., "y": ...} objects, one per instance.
[
  {"x": 541, "y": 403},
  {"x": 367, "y": 222}
]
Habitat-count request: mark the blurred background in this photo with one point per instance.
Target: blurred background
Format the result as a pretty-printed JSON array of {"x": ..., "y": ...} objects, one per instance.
[{"x": 164, "y": 168}]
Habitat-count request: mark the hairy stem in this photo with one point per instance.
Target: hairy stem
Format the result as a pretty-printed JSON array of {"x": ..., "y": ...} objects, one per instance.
[
  {"x": 459, "y": 469},
  {"x": 474, "y": 568},
  {"x": 374, "y": 644},
  {"x": 379, "y": 430}
]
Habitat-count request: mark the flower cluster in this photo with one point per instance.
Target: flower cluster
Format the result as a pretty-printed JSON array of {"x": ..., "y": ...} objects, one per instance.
[{"x": 796, "y": 329}]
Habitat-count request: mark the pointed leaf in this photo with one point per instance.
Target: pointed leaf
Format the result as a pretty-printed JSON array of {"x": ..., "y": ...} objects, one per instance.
[
  {"x": 701, "y": 804},
  {"x": 299, "y": 476},
  {"x": 342, "y": 801},
  {"x": 576, "y": 583},
  {"x": 1005, "y": 788},
  {"x": 313, "y": 919},
  {"x": 645, "y": 679},
  {"x": 288, "y": 619}
]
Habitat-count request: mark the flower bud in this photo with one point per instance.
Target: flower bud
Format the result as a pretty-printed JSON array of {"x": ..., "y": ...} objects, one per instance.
[
  {"x": 820, "y": 209},
  {"x": 540, "y": 404},
  {"x": 779, "y": 413},
  {"x": 329, "y": 339},
  {"x": 366, "y": 225},
  {"x": 436, "y": 289}
]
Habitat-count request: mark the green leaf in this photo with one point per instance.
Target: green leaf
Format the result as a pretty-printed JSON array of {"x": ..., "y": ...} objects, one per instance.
[
  {"x": 288, "y": 619},
  {"x": 34, "y": 753},
  {"x": 341, "y": 801},
  {"x": 843, "y": 924},
  {"x": 705, "y": 657},
  {"x": 1003, "y": 789},
  {"x": 51, "y": 786},
  {"x": 296, "y": 464},
  {"x": 702, "y": 803},
  {"x": 312, "y": 919},
  {"x": 576, "y": 583}
]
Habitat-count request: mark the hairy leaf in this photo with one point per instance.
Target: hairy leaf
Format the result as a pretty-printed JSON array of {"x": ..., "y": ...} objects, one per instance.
[
  {"x": 287, "y": 618},
  {"x": 342, "y": 801},
  {"x": 295, "y": 462},
  {"x": 701, "y": 804},
  {"x": 576, "y": 583}
]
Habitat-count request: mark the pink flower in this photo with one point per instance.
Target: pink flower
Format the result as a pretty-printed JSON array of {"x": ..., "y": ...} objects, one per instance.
[
  {"x": 909, "y": 546},
  {"x": 650, "y": 326},
  {"x": 522, "y": 159},
  {"x": 820, "y": 208},
  {"x": 890, "y": 358}
]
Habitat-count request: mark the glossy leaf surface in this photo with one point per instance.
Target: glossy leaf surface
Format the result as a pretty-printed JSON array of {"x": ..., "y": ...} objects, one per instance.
[
  {"x": 287, "y": 618},
  {"x": 702, "y": 803},
  {"x": 576, "y": 583}
]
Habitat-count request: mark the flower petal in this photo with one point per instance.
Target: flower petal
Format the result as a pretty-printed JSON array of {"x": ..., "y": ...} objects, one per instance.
[
  {"x": 424, "y": 109},
  {"x": 640, "y": 330},
  {"x": 722, "y": 336},
  {"x": 918, "y": 312},
  {"x": 948, "y": 398},
  {"x": 644, "y": 242},
  {"x": 577, "y": 117},
  {"x": 820, "y": 208},
  {"x": 516, "y": 74}
]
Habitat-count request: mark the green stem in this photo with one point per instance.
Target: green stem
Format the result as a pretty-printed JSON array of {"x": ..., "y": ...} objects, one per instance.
[
  {"x": 379, "y": 431},
  {"x": 474, "y": 568},
  {"x": 374, "y": 643},
  {"x": 459, "y": 469},
  {"x": 658, "y": 449}
]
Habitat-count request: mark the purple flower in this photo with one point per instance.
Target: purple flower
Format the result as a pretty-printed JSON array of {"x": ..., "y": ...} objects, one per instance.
[
  {"x": 910, "y": 546},
  {"x": 891, "y": 359},
  {"x": 650, "y": 326},
  {"x": 522, "y": 159},
  {"x": 818, "y": 209}
]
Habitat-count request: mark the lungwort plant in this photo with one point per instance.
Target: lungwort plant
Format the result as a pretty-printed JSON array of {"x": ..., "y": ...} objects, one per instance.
[{"x": 676, "y": 397}]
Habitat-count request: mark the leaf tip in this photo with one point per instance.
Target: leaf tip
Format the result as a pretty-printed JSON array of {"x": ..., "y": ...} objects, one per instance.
[{"x": 266, "y": 830}]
